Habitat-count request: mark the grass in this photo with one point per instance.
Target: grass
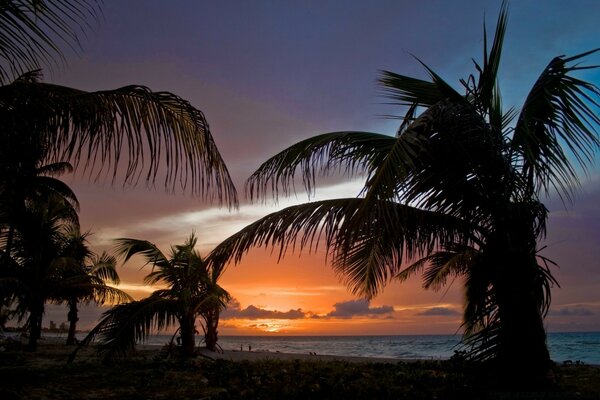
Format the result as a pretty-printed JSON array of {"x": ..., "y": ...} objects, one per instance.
[{"x": 45, "y": 374}]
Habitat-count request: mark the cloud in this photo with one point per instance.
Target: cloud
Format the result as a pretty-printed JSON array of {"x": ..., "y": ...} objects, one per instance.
[
  {"x": 439, "y": 311},
  {"x": 234, "y": 310},
  {"x": 349, "y": 309},
  {"x": 571, "y": 312}
]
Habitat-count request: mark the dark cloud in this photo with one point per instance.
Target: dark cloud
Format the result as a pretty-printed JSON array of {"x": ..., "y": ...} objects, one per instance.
[
  {"x": 571, "y": 312},
  {"x": 349, "y": 309},
  {"x": 234, "y": 310},
  {"x": 439, "y": 311}
]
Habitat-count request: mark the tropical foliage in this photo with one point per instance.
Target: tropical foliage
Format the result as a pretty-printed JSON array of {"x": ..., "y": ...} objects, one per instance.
[
  {"x": 457, "y": 192},
  {"x": 190, "y": 291},
  {"x": 128, "y": 134},
  {"x": 33, "y": 32},
  {"x": 95, "y": 131},
  {"x": 30, "y": 275},
  {"x": 85, "y": 278}
]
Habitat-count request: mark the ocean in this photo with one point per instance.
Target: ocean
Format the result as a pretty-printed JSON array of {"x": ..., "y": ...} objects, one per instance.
[{"x": 584, "y": 347}]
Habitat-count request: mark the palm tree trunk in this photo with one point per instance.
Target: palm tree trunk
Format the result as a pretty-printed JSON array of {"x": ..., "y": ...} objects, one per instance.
[
  {"x": 187, "y": 332},
  {"x": 523, "y": 355},
  {"x": 36, "y": 313},
  {"x": 523, "y": 350},
  {"x": 212, "y": 323},
  {"x": 72, "y": 316}
]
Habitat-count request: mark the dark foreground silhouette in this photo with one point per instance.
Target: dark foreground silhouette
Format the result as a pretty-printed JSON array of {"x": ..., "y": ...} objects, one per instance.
[{"x": 153, "y": 374}]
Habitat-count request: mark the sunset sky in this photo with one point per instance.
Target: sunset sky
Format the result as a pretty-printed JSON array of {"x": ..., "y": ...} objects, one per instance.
[{"x": 270, "y": 73}]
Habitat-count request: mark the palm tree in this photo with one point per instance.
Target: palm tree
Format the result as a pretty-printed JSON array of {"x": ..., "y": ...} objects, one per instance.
[
  {"x": 84, "y": 278},
  {"x": 31, "y": 274},
  {"x": 457, "y": 191},
  {"x": 191, "y": 291}
]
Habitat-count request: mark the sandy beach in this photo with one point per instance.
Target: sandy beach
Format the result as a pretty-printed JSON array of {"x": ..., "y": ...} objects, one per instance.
[
  {"x": 233, "y": 355},
  {"x": 150, "y": 372}
]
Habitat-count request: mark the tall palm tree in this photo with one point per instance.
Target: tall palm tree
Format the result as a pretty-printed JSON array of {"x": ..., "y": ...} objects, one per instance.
[
  {"x": 458, "y": 190},
  {"x": 191, "y": 291},
  {"x": 31, "y": 274},
  {"x": 84, "y": 278}
]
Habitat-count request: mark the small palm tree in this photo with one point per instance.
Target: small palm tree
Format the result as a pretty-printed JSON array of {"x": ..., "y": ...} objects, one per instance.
[
  {"x": 191, "y": 291},
  {"x": 457, "y": 189},
  {"x": 84, "y": 278}
]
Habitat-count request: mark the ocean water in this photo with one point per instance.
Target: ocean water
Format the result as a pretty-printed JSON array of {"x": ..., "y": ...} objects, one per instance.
[
  {"x": 584, "y": 347},
  {"x": 581, "y": 346}
]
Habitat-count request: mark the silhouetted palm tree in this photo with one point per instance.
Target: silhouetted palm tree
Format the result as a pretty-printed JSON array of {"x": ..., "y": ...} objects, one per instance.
[
  {"x": 32, "y": 274},
  {"x": 84, "y": 278},
  {"x": 191, "y": 291},
  {"x": 458, "y": 189}
]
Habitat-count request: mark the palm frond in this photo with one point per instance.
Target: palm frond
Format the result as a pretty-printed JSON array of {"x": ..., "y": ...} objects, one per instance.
[
  {"x": 348, "y": 152},
  {"x": 406, "y": 91},
  {"x": 301, "y": 226},
  {"x": 369, "y": 241},
  {"x": 558, "y": 112},
  {"x": 445, "y": 264},
  {"x": 55, "y": 186},
  {"x": 122, "y": 326},
  {"x": 55, "y": 169},
  {"x": 107, "y": 294},
  {"x": 32, "y": 32},
  {"x": 371, "y": 245},
  {"x": 96, "y": 130},
  {"x": 88, "y": 289},
  {"x": 127, "y": 248},
  {"x": 104, "y": 267},
  {"x": 487, "y": 84},
  {"x": 454, "y": 260}
]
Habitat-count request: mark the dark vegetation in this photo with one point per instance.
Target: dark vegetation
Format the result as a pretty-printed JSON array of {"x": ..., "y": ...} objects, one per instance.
[{"x": 153, "y": 375}]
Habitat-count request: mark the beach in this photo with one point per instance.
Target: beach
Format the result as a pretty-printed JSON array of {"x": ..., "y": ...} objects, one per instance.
[
  {"x": 154, "y": 372},
  {"x": 232, "y": 355}
]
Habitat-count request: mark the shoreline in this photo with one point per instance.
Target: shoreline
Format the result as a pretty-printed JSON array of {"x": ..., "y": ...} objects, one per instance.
[
  {"x": 151, "y": 349},
  {"x": 236, "y": 355},
  {"x": 56, "y": 345}
]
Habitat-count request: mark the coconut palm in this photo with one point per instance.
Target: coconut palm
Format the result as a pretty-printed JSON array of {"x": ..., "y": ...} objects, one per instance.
[
  {"x": 31, "y": 274},
  {"x": 84, "y": 278},
  {"x": 191, "y": 291},
  {"x": 457, "y": 192}
]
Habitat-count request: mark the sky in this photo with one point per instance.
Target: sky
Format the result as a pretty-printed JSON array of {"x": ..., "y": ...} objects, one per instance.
[{"x": 270, "y": 73}]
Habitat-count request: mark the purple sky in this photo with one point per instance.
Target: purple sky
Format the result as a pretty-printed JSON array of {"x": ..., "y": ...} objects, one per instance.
[{"x": 270, "y": 73}]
